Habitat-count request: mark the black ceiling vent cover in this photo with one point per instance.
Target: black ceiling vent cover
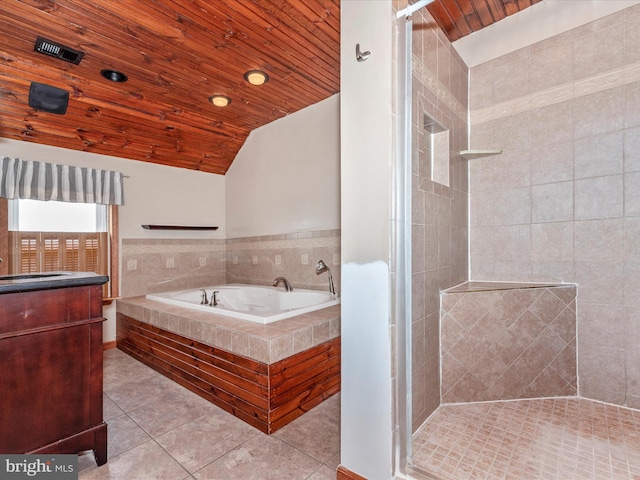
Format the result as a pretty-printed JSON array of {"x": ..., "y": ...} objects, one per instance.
[{"x": 57, "y": 50}]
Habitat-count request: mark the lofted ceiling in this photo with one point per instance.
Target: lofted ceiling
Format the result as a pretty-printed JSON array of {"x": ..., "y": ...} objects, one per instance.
[
  {"x": 458, "y": 18},
  {"x": 176, "y": 54}
]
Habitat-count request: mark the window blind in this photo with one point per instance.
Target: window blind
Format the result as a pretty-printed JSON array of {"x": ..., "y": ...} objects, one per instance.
[{"x": 34, "y": 252}]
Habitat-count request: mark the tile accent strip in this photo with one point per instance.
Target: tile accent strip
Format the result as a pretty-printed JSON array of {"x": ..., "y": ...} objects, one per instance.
[{"x": 597, "y": 83}]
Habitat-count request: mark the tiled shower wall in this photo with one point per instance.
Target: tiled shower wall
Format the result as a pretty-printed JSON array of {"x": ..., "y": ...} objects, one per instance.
[
  {"x": 162, "y": 265},
  {"x": 508, "y": 343},
  {"x": 439, "y": 217},
  {"x": 562, "y": 202}
]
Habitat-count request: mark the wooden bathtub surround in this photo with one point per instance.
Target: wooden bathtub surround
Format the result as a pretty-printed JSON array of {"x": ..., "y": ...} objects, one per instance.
[
  {"x": 51, "y": 360},
  {"x": 265, "y": 395}
]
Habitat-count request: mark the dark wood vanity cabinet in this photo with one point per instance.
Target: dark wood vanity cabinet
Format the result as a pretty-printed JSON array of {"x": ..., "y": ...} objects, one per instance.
[{"x": 51, "y": 365}]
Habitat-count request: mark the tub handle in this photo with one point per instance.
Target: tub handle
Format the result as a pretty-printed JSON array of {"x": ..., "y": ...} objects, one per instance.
[
  {"x": 203, "y": 297},
  {"x": 214, "y": 298}
]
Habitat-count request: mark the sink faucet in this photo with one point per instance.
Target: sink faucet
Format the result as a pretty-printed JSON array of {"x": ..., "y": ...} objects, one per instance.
[{"x": 287, "y": 285}]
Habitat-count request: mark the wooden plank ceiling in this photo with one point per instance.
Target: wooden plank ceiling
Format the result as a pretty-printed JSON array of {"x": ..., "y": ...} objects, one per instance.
[
  {"x": 458, "y": 18},
  {"x": 176, "y": 54}
]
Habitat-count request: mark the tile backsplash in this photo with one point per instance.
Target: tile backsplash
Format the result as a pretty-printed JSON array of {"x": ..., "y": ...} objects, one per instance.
[
  {"x": 259, "y": 260},
  {"x": 162, "y": 265}
]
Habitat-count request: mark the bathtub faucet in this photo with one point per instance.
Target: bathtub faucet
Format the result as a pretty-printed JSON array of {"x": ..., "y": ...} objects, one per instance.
[
  {"x": 214, "y": 298},
  {"x": 287, "y": 285},
  {"x": 203, "y": 297}
]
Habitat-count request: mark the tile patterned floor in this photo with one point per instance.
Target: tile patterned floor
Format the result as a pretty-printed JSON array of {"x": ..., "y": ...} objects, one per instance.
[
  {"x": 561, "y": 438},
  {"x": 159, "y": 430}
]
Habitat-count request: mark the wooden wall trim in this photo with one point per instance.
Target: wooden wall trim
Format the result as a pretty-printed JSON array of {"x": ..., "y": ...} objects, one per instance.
[
  {"x": 109, "y": 345},
  {"x": 345, "y": 474}
]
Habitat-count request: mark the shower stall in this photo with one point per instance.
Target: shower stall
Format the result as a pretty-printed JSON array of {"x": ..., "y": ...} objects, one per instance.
[{"x": 571, "y": 223}]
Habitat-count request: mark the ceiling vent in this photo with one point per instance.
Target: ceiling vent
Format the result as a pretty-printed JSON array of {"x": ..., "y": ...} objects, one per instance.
[{"x": 57, "y": 50}]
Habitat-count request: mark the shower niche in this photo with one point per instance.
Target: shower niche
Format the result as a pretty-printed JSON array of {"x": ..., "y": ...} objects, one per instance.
[{"x": 438, "y": 150}]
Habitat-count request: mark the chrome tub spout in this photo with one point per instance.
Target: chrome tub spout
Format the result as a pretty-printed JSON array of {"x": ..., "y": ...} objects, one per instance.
[{"x": 279, "y": 280}]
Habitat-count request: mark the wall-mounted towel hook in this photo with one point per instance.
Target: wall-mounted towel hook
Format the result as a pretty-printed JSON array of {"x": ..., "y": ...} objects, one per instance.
[{"x": 361, "y": 56}]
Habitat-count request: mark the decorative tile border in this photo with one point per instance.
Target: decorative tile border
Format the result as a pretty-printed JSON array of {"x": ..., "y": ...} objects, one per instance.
[{"x": 597, "y": 83}]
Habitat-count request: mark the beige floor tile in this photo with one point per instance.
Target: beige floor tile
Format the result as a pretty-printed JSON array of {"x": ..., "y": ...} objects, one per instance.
[
  {"x": 109, "y": 408},
  {"x": 146, "y": 461},
  {"x": 206, "y": 439},
  {"x": 261, "y": 458},
  {"x": 323, "y": 473},
  {"x": 159, "y": 430},
  {"x": 124, "y": 434},
  {"x": 138, "y": 393},
  {"x": 317, "y": 432},
  {"x": 333, "y": 462},
  {"x": 171, "y": 410},
  {"x": 120, "y": 368}
]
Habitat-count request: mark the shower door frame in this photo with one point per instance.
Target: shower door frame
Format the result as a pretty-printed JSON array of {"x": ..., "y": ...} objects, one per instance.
[
  {"x": 401, "y": 244},
  {"x": 401, "y": 233}
]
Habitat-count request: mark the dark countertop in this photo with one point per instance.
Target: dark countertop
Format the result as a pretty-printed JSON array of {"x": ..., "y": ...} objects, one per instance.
[{"x": 48, "y": 280}]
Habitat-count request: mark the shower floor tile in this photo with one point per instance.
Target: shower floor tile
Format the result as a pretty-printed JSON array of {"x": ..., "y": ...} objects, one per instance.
[{"x": 555, "y": 438}]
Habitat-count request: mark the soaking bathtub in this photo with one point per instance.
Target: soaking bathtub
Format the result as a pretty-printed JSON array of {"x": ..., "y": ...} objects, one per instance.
[{"x": 260, "y": 304}]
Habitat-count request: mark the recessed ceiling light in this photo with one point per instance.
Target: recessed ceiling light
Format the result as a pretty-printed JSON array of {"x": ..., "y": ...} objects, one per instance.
[
  {"x": 256, "y": 77},
  {"x": 114, "y": 75},
  {"x": 220, "y": 100}
]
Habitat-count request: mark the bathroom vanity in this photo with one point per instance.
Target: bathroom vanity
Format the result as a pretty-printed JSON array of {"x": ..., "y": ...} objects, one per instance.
[{"x": 51, "y": 364}]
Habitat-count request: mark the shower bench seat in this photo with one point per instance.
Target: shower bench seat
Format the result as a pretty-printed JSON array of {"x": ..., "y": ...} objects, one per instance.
[{"x": 266, "y": 375}]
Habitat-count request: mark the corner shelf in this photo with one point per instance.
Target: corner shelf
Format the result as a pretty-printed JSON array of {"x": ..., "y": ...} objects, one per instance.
[
  {"x": 178, "y": 227},
  {"x": 472, "y": 154}
]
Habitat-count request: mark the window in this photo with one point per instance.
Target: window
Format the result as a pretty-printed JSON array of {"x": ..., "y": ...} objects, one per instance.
[
  {"x": 38, "y": 247},
  {"x": 60, "y": 236}
]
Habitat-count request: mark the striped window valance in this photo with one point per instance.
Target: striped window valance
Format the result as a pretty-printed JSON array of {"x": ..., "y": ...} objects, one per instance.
[{"x": 63, "y": 183}]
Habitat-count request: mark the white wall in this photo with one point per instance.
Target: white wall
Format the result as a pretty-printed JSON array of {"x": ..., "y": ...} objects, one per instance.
[
  {"x": 153, "y": 194},
  {"x": 286, "y": 177},
  {"x": 366, "y": 127}
]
